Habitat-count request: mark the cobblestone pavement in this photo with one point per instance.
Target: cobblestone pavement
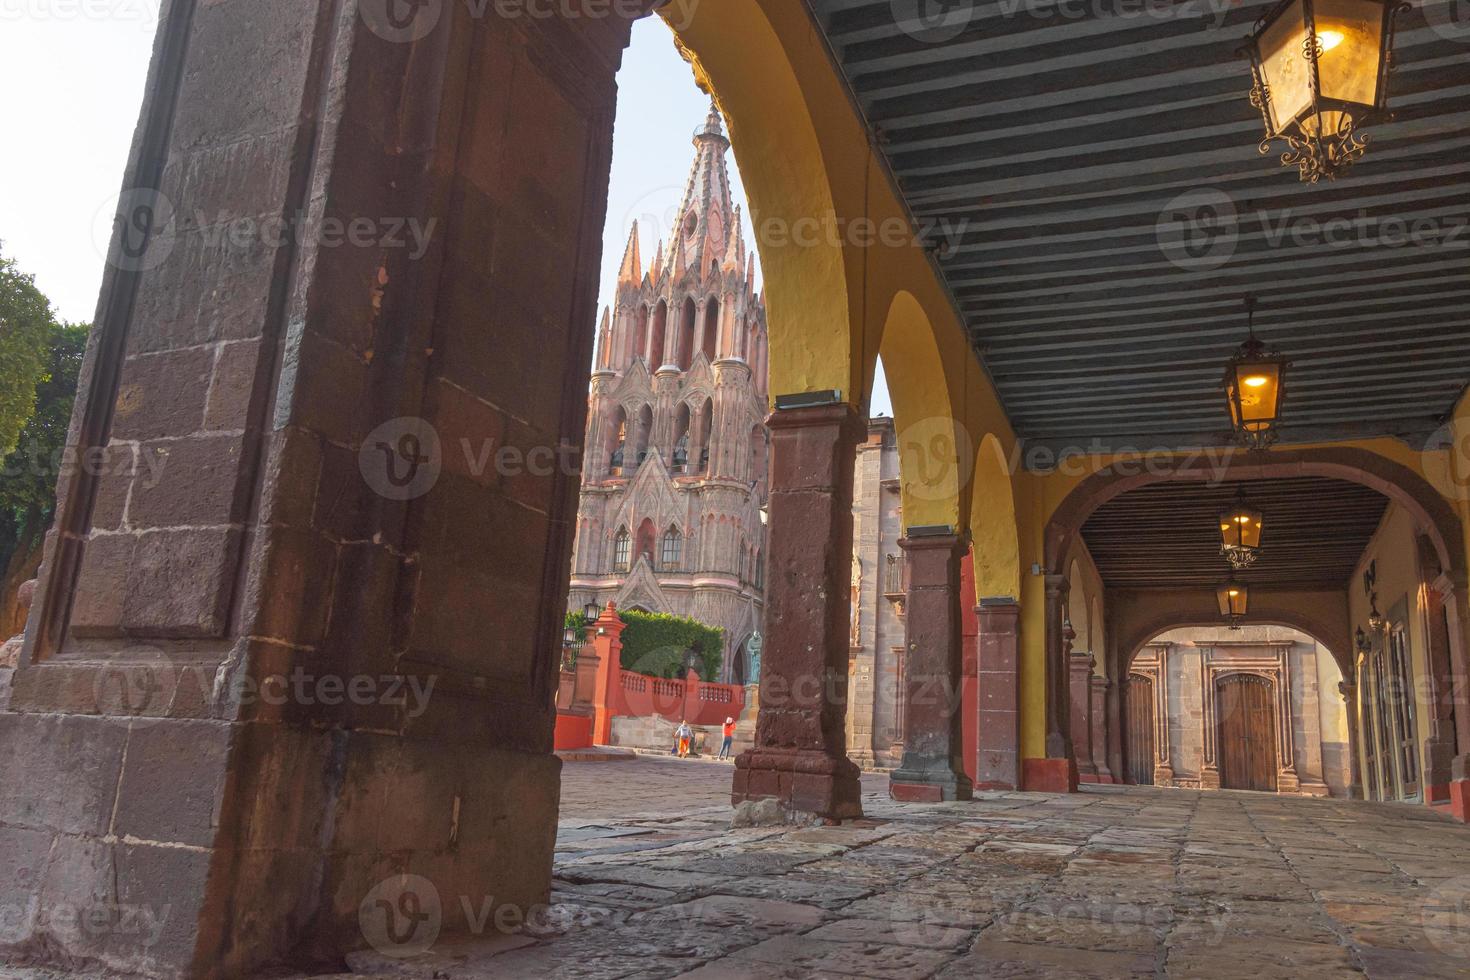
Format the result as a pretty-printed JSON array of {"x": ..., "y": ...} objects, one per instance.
[{"x": 1112, "y": 882}]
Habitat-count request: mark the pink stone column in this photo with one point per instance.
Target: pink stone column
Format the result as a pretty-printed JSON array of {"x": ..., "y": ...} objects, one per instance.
[
  {"x": 1057, "y": 773},
  {"x": 998, "y": 677},
  {"x": 800, "y": 753},
  {"x": 1081, "y": 690},
  {"x": 933, "y": 768},
  {"x": 1100, "y": 765}
]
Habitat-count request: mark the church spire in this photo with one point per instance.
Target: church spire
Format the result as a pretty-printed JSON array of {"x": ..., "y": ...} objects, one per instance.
[
  {"x": 705, "y": 217},
  {"x": 632, "y": 270}
]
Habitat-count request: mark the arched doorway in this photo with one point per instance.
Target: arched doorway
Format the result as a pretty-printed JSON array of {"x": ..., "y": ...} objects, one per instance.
[{"x": 1246, "y": 706}]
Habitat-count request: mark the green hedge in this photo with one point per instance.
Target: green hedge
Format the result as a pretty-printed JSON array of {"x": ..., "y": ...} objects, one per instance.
[{"x": 655, "y": 644}]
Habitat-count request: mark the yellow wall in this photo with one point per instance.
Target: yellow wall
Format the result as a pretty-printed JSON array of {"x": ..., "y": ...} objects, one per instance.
[{"x": 1330, "y": 707}]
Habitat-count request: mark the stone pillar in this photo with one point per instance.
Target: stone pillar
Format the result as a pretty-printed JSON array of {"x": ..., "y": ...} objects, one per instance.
[
  {"x": 602, "y": 432},
  {"x": 299, "y": 395},
  {"x": 1303, "y": 677},
  {"x": 1080, "y": 690},
  {"x": 732, "y": 379},
  {"x": 867, "y": 529},
  {"x": 800, "y": 754},
  {"x": 998, "y": 677},
  {"x": 1116, "y": 760},
  {"x": 933, "y": 766},
  {"x": 1057, "y": 773},
  {"x": 1349, "y": 694},
  {"x": 665, "y": 395},
  {"x": 1099, "y": 693}
]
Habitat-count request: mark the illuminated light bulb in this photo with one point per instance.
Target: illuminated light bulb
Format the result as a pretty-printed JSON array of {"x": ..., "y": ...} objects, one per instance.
[
  {"x": 1256, "y": 381},
  {"x": 1330, "y": 39}
]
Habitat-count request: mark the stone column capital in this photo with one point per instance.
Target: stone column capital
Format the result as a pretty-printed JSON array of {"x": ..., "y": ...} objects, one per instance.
[{"x": 1057, "y": 586}]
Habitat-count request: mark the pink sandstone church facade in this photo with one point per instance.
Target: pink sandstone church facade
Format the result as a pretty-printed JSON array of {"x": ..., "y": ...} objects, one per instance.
[{"x": 674, "y": 479}]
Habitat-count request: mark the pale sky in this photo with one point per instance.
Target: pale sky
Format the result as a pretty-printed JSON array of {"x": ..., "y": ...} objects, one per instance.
[{"x": 76, "y": 70}]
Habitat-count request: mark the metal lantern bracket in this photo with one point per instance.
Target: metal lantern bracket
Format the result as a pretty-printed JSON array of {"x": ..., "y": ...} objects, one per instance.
[{"x": 1323, "y": 154}]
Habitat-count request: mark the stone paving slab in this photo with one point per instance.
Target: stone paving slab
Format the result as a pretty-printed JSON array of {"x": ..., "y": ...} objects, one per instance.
[{"x": 1113, "y": 882}]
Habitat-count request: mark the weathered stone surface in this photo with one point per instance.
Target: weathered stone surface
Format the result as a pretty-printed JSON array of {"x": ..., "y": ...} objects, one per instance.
[{"x": 1021, "y": 961}]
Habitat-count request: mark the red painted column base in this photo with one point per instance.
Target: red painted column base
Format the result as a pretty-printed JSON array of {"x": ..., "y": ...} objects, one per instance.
[
  {"x": 1460, "y": 800},
  {"x": 1050, "y": 775}
]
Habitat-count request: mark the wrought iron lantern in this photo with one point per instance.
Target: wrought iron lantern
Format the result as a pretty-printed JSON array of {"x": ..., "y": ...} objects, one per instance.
[
  {"x": 1376, "y": 622},
  {"x": 1235, "y": 599},
  {"x": 1255, "y": 386},
  {"x": 1240, "y": 533},
  {"x": 1321, "y": 71}
]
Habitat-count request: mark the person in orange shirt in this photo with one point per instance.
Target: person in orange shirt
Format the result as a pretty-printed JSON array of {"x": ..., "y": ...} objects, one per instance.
[{"x": 729, "y": 731}]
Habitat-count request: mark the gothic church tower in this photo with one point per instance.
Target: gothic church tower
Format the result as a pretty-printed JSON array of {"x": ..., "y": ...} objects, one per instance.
[{"x": 674, "y": 476}]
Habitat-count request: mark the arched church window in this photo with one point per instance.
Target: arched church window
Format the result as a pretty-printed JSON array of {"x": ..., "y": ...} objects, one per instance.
[
  {"x": 654, "y": 342},
  {"x": 622, "y": 550},
  {"x": 706, "y": 424},
  {"x": 620, "y": 443},
  {"x": 760, "y": 570},
  {"x": 685, "y": 354},
  {"x": 647, "y": 537},
  {"x": 645, "y": 429},
  {"x": 681, "y": 440},
  {"x": 673, "y": 549},
  {"x": 711, "y": 327}
]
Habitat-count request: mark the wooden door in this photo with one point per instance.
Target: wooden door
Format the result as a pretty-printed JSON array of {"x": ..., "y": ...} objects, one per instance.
[
  {"x": 1246, "y": 744},
  {"x": 1140, "y": 697}
]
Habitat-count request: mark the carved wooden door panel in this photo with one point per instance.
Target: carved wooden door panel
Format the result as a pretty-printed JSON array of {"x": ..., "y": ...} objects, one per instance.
[
  {"x": 1140, "y": 731},
  {"x": 1247, "y": 733}
]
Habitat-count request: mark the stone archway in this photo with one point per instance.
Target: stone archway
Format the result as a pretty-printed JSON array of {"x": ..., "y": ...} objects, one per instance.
[{"x": 1437, "y": 521}]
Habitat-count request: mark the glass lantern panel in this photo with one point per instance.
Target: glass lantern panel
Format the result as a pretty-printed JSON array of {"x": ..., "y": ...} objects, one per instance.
[
  {"x": 1241, "y": 527},
  {"x": 1259, "y": 385},
  {"x": 1351, "y": 35},
  {"x": 1284, "y": 66}
]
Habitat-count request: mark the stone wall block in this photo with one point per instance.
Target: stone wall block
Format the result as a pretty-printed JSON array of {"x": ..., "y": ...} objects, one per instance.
[
  {"x": 233, "y": 387},
  {"x": 162, "y": 394},
  {"x": 180, "y": 583},
  {"x": 231, "y": 40},
  {"x": 102, "y": 586},
  {"x": 88, "y": 750},
  {"x": 190, "y": 482},
  {"x": 118, "y": 465},
  {"x": 292, "y": 465},
  {"x": 188, "y": 753},
  {"x": 289, "y": 586}
]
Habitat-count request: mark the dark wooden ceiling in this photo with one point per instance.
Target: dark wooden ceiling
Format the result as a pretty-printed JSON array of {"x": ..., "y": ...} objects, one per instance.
[
  {"x": 1167, "y": 536},
  {"x": 1063, "y": 146}
]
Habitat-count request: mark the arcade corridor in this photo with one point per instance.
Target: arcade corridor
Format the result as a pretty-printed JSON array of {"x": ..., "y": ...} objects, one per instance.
[{"x": 1138, "y": 384}]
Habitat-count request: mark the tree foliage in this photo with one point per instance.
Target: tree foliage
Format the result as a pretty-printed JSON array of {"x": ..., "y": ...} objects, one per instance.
[
  {"x": 656, "y": 644},
  {"x": 26, "y": 326},
  {"x": 28, "y": 476}
]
